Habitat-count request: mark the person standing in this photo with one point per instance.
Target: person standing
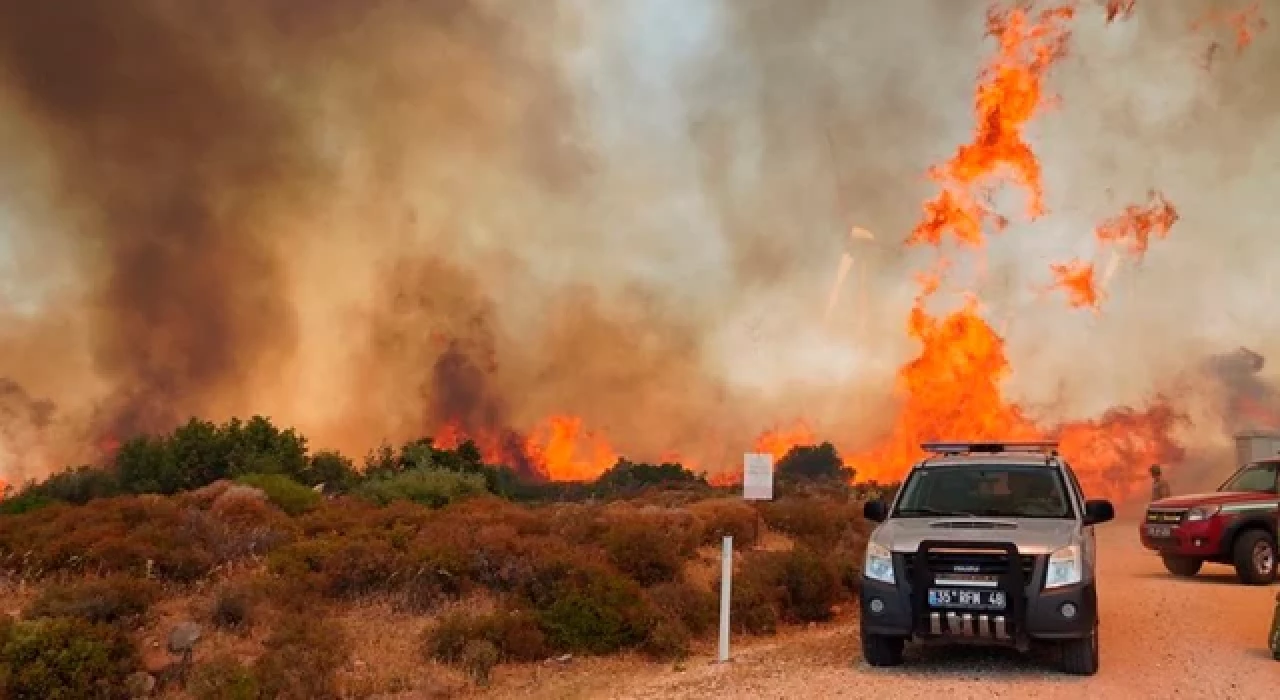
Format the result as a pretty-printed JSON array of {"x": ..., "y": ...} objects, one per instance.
[{"x": 1159, "y": 487}]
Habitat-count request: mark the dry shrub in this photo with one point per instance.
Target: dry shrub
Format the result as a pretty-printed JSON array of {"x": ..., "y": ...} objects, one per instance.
[
  {"x": 514, "y": 633},
  {"x": 107, "y": 600},
  {"x": 478, "y": 659},
  {"x": 131, "y": 534},
  {"x": 694, "y": 607},
  {"x": 233, "y": 607},
  {"x": 722, "y": 517},
  {"x": 812, "y": 585},
  {"x": 810, "y": 519},
  {"x": 649, "y": 546},
  {"x": 223, "y": 678},
  {"x": 339, "y": 567},
  {"x": 65, "y": 658},
  {"x": 302, "y": 657}
]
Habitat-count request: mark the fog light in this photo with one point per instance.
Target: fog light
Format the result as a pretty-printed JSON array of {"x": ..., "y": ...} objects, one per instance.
[
  {"x": 877, "y": 606},
  {"x": 1068, "y": 610}
]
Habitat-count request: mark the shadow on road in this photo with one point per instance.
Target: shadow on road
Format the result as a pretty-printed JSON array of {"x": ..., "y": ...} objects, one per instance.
[
  {"x": 1214, "y": 578},
  {"x": 978, "y": 663}
]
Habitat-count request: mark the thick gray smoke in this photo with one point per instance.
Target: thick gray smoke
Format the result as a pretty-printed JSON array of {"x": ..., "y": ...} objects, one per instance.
[{"x": 370, "y": 220}]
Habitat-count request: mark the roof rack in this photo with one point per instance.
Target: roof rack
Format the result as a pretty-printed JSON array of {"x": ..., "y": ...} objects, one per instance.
[{"x": 1046, "y": 447}]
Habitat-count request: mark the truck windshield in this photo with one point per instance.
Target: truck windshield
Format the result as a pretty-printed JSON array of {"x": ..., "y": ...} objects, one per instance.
[
  {"x": 1255, "y": 477},
  {"x": 995, "y": 490}
]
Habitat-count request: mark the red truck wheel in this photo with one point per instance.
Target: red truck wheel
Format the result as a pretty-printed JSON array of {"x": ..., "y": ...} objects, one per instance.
[{"x": 1255, "y": 557}]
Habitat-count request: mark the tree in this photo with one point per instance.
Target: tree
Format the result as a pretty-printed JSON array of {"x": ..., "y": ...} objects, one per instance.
[{"x": 813, "y": 463}]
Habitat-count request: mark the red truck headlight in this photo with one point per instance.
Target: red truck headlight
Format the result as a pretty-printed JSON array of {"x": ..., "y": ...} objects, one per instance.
[{"x": 1202, "y": 513}]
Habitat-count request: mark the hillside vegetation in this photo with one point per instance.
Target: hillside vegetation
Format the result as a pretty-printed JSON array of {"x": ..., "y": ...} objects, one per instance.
[{"x": 227, "y": 561}]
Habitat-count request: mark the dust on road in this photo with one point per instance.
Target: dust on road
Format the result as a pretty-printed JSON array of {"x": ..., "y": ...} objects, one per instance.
[{"x": 1161, "y": 637}]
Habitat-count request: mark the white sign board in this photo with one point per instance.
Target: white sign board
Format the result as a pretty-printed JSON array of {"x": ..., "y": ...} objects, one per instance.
[{"x": 757, "y": 476}]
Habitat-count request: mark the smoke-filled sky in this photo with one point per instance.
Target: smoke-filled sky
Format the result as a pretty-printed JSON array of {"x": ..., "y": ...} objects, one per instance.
[{"x": 366, "y": 219}]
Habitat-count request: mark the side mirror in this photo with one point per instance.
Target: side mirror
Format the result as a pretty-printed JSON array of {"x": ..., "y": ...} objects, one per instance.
[
  {"x": 1100, "y": 511},
  {"x": 875, "y": 511}
]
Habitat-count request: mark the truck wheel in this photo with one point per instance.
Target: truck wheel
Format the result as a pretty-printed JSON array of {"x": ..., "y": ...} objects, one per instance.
[
  {"x": 882, "y": 651},
  {"x": 1255, "y": 558},
  {"x": 1182, "y": 566},
  {"x": 1080, "y": 656}
]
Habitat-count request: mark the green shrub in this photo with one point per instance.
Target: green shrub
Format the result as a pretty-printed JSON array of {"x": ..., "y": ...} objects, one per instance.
[
  {"x": 107, "y": 600},
  {"x": 223, "y": 678},
  {"x": 65, "y": 659},
  {"x": 594, "y": 611},
  {"x": 431, "y": 487},
  {"x": 283, "y": 492},
  {"x": 302, "y": 658}
]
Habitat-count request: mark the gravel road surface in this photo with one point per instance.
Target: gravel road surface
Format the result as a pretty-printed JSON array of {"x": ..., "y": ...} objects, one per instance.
[{"x": 1161, "y": 637}]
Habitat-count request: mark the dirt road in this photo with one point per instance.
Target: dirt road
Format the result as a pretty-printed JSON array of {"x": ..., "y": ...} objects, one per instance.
[{"x": 1161, "y": 637}]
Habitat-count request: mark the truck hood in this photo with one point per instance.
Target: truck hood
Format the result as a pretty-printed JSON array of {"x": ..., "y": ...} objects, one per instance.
[
  {"x": 1031, "y": 535},
  {"x": 1215, "y": 498}
]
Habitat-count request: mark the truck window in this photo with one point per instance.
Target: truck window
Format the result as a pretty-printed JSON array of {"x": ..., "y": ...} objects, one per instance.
[{"x": 1255, "y": 477}]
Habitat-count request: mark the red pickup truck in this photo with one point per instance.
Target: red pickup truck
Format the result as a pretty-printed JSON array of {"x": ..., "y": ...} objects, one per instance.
[{"x": 1236, "y": 525}]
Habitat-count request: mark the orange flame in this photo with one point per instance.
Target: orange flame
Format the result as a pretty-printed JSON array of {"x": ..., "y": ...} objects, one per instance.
[
  {"x": 779, "y": 441},
  {"x": 567, "y": 452},
  {"x": 952, "y": 389},
  {"x": 1133, "y": 228},
  {"x": 1009, "y": 94},
  {"x": 1077, "y": 279}
]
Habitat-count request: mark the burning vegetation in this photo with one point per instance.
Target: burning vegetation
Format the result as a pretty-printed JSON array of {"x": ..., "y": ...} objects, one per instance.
[{"x": 183, "y": 191}]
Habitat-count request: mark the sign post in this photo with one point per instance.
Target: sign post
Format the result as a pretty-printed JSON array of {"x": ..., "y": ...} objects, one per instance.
[
  {"x": 726, "y": 574},
  {"x": 757, "y": 476}
]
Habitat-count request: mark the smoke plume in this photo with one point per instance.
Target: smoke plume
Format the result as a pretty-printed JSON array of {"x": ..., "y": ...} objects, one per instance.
[{"x": 376, "y": 221}]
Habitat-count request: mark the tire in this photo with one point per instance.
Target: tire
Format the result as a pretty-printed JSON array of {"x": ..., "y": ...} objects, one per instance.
[
  {"x": 881, "y": 652},
  {"x": 1254, "y": 555},
  {"x": 1182, "y": 566},
  {"x": 1080, "y": 656}
]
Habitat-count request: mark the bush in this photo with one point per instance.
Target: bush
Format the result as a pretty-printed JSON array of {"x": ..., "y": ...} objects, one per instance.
[
  {"x": 284, "y": 493},
  {"x": 697, "y": 609},
  {"x": 223, "y": 678},
  {"x": 108, "y": 600},
  {"x": 813, "y": 463},
  {"x": 65, "y": 659},
  {"x": 757, "y": 593},
  {"x": 643, "y": 549},
  {"x": 627, "y": 478},
  {"x": 233, "y": 608},
  {"x": 339, "y": 567},
  {"x": 514, "y": 633},
  {"x": 478, "y": 658},
  {"x": 727, "y": 516},
  {"x": 302, "y": 658},
  {"x": 812, "y": 585},
  {"x": 434, "y": 488},
  {"x": 819, "y": 522},
  {"x": 594, "y": 611}
]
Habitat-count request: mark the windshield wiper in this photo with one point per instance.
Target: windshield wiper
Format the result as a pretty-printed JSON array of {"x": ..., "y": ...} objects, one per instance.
[{"x": 924, "y": 510}]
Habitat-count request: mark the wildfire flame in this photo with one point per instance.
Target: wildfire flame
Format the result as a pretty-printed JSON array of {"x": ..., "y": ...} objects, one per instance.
[
  {"x": 1009, "y": 94},
  {"x": 1077, "y": 279},
  {"x": 1246, "y": 23},
  {"x": 1120, "y": 9}
]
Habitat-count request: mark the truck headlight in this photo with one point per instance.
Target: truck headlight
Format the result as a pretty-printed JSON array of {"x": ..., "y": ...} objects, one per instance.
[
  {"x": 1065, "y": 568},
  {"x": 879, "y": 563},
  {"x": 1202, "y": 513}
]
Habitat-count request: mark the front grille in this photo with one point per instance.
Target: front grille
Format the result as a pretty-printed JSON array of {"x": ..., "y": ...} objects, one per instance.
[
  {"x": 1165, "y": 516},
  {"x": 973, "y": 563}
]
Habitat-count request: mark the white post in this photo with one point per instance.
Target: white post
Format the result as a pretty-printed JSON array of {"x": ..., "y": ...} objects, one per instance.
[{"x": 726, "y": 573}]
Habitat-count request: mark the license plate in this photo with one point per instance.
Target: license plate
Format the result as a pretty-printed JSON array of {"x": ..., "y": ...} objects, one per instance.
[
  {"x": 1160, "y": 530},
  {"x": 967, "y": 600}
]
